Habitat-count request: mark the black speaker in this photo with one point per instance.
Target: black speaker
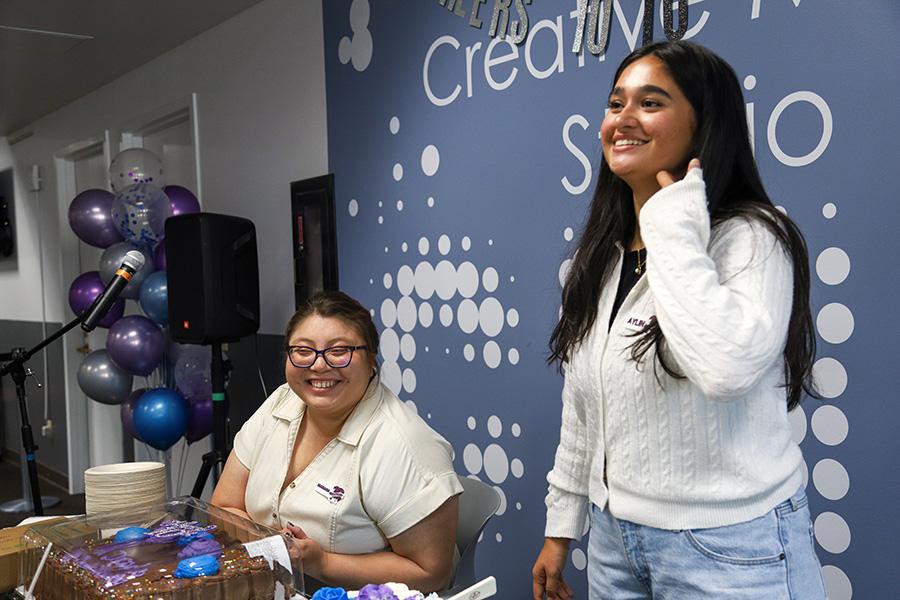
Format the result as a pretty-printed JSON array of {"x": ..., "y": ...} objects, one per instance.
[{"x": 213, "y": 278}]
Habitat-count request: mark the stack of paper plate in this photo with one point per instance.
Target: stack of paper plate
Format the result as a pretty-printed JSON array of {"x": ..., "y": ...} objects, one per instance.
[{"x": 134, "y": 486}]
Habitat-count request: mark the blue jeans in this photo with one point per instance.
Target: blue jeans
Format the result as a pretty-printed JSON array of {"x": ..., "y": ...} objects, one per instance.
[{"x": 769, "y": 558}]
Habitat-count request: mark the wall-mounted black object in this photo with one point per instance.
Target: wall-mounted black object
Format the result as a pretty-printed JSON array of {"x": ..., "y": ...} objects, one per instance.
[
  {"x": 213, "y": 278},
  {"x": 7, "y": 229},
  {"x": 315, "y": 237}
]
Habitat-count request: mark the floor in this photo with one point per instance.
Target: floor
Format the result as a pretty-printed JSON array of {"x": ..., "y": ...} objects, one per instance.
[{"x": 11, "y": 489}]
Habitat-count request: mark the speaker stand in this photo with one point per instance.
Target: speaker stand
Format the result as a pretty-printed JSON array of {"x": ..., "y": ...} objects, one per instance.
[{"x": 214, "y": 461}]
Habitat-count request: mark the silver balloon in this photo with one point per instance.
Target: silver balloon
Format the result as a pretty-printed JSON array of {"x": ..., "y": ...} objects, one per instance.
[
  {"x": 111, "y": 260},
  {"x": 101, "y": 380}
]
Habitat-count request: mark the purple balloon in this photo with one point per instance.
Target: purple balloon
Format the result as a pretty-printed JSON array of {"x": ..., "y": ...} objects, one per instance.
[
  {"x": 136, "y": 344},
  {"x": 183, "y": 201},
  {"x": 127, "y": 413},
  {"x": 85, "y": 289},
  {"x": 200, "y": 424},
  {"x": 159, "y": 256},
  {"x": 91, "y": 220}
]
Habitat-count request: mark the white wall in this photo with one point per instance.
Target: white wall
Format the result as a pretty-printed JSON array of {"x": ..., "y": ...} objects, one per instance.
[
  {"x": 260, "y": 83},
  {"x": 259, "y": 80}
]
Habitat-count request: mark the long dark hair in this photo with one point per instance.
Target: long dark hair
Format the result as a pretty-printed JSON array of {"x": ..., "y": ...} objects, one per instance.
[{"x": 733, "y": 188}]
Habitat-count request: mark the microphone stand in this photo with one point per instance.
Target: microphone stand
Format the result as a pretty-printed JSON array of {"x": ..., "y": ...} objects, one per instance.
[
  {"x": 15, "y": 368},
  {"x": 216, "y": 458}
]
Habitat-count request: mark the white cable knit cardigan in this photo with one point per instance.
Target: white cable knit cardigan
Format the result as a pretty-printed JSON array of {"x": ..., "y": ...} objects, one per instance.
[{"x": 706, "y": 451}]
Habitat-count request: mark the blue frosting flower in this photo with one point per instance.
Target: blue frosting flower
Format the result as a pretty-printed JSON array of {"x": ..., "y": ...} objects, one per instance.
[
  {"x": 197, "y": 566},
  {"x": 131, "y": 534},
  {"x": 377, "y": 592},
  {"x": 328, "y": 593}
]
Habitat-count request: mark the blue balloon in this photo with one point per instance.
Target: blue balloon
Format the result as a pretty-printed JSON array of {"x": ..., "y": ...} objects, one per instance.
[
  {"x": 161, "y": 417},
  {"x": 154, "y": 298}
]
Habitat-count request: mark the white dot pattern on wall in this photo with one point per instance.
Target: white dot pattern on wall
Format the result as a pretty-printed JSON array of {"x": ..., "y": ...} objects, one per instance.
[
  {"x": 353, "y": 207},
  {"x": 835, "y": 323},
  {"x": 829, "y": 210},
  {"x": 513, "y": 356},
  {"x": 568, "y": 234},
  {"x": 469, "y": 352},
  {"x": 394, "y": 125},
  {"x": 466, "y": 243},
  {"x": 399, "y": 205},
  {"x": 833, "y": 266},
  {"x": 830, "y": 377},
  {"x": 398, "y": 172},
  {"x": 431, "y": 160},
  {"x": 492, "y": 354},
  {"x": 832, "y": 532},
  {"x": 829, "y": 424},
  {"x": 493, "y": 461},
  {"x": 831, "y": 479},
  {"x": 426, "y": 316},
  {"x": 837, "y": 584},
  {"x": 579, "y": 560},
  {"x": 797, "y": 419},
  {"x": 490, "y": 279},
  {"x": 357, "y": 49},
  {"x": 444, "y": 245},
  {"x": 495, "y": 426},
  {"x": 407, "y": 314},
  {"x": 388, "y": 281},
  {"x": 388, "y": 313}
]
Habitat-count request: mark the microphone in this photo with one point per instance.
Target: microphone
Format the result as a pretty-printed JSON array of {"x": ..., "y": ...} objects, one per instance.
[{"x": 131, "y": 264}]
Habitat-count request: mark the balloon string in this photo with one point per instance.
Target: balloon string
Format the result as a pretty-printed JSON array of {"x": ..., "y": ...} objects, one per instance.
[{"x": 184, "y": 460}]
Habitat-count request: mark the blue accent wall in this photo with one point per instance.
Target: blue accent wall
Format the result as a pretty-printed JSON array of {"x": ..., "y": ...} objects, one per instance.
[{"x": 460, "y": 198}]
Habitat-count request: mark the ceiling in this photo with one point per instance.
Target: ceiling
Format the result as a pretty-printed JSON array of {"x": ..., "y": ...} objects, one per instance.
[{"x": 55, "y": 51}]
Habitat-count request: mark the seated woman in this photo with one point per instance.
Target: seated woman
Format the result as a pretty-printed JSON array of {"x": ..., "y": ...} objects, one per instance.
[{"x": 334, "y": 457}]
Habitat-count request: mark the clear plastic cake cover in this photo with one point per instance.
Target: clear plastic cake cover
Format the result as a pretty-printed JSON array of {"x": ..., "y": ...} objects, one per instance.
[{"x": 181, "y": 550}]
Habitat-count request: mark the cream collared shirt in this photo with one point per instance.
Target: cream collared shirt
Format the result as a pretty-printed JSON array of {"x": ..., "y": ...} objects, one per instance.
[{"x": 384, "y": 472}]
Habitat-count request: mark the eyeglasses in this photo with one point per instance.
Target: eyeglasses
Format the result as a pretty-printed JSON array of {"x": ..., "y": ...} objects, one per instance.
[{"x": 336, "y": 357}]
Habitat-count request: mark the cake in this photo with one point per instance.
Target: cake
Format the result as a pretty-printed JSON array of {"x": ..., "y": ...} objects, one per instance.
[
  {"x": 387, "y": 591},
  {"x": 175, "y": 560}
]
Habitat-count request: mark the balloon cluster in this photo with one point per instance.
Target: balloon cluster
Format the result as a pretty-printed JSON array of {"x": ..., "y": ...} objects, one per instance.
[{"x": 133, "y": 218}]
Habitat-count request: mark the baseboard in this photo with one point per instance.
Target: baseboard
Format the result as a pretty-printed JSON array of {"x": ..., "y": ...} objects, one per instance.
[{"x": 45, "y": 474}]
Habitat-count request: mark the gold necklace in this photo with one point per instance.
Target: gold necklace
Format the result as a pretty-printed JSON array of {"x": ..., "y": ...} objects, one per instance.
[{"x": 641, "y": 264}]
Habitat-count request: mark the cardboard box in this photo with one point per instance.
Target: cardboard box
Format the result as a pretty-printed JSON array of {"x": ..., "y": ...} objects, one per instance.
[{"x": 10, "y": 547}]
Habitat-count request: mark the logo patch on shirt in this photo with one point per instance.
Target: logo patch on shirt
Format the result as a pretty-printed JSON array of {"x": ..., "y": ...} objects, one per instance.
[
  {"x": 333, "y": 494},
  {"x": 635, "y": 323}
]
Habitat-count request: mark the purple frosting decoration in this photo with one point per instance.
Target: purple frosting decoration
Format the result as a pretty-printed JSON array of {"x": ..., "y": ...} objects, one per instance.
[
  {"x": 170, "y": 531},
  {"x": 376, "y": 592},
  {"x": 200, "y": 547},
  {"x": 200, "y": 535}
]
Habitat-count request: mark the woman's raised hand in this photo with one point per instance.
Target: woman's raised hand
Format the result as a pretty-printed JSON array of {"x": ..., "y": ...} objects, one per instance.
[{"x": 665, "y": 179}]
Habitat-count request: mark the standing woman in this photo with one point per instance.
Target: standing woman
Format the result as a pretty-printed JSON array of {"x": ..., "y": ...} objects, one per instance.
[{"x": 686, "y": 337}]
